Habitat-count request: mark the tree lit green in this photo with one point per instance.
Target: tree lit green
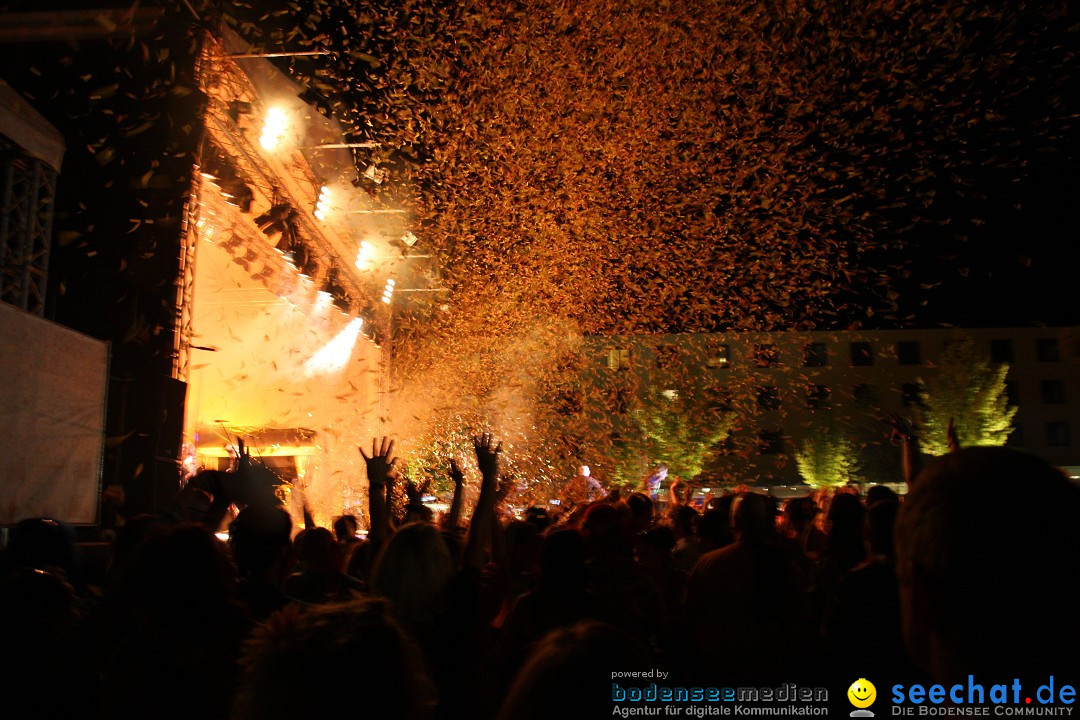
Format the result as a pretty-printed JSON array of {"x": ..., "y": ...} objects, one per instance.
[
  {"x": 970, "y": 390},
  {"x": 828, "y": 457}
]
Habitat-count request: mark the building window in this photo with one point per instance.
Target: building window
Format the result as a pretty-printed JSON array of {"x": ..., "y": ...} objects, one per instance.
[
  {"x": 1001, "y": 351},
  {"x": 911, "y": 395},
  {"x": 618, "y": 359},
  {"x": 768, "y": 397},
  {"x": 1057, "y": 434},
  {"x": 719, "y": 356},
  {"x": 666, "y": 356},
  {"x": 1053, "y": 392},
  {"x": 766, "y": 356},
  {"x": 1012, "y": 392},
  {"x": 770, "y": 442},
  {"x": 862, "y": 353},
  {"x": 909, "y": 352},
  {"x": 816, "y": 354},
  {"x": 865, "y": 395},
  {"x": 1046, "y": 349},
  {"x": 817, "y": 397}
]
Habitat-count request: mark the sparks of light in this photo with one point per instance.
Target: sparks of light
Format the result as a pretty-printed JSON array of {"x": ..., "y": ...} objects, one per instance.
[
  {"x": 274, "y": 126},
  {"x": 365, "y": 255},
  {"x": 335, "y": 355},
  {"x": 322, "y": 205},
  {"x": 388, "y": 291}
]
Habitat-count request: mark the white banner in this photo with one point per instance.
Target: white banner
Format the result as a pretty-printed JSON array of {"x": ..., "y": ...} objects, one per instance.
[{"x": 52, "y": 419}]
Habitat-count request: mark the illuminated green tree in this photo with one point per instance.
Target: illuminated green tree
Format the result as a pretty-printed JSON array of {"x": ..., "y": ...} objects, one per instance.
[
  {"x": 828, "y": 457},
  {"x": 970, "y": 390},
  {"x": 676, "y": 428}
]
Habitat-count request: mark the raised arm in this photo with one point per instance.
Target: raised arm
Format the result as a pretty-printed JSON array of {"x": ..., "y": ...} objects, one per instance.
[
  {"x": 487, "y": 458},
  {"x": 903, "y": 433},
  {"x": 452, "y": 520},
  {"x": 673, "y": 493},
  {"x": 498, "y": 532},
  {"x": 951, "y": 436},
  {"x": 379, "y": 465}
]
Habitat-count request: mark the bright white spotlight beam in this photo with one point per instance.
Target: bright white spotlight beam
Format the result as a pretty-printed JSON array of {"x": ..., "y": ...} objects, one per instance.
[
  {"x": 335, "y": 354},
  {"x": 274, "y": 127}
]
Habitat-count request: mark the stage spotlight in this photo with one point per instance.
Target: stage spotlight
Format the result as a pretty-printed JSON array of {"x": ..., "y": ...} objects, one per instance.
[
  {"x": 334, "y": 356},
  {"x": 274, "y": 127},
  {"x": 322, "y": 205},
  {"x": 365, "y": 255}
]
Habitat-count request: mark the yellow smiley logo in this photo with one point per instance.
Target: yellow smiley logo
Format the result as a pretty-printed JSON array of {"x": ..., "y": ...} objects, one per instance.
[{"x": 862, "y": 693}]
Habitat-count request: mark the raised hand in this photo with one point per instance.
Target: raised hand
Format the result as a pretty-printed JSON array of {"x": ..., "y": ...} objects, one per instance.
[
  {"x": 951, "y": 437},
  {"x": 903, "y": 434},
  {"x": 379, "y": 466},
  {"x": 252, "y": 483},
  {"x": 902, "y": 429},
  {"x": 456, "y": 473},
  {"x": 381, "y": 461},
  {"x": 487, "y": 455}
]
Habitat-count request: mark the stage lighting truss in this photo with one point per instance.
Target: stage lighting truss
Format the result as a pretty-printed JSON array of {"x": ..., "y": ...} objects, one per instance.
[{"x": 285, "y": 205}]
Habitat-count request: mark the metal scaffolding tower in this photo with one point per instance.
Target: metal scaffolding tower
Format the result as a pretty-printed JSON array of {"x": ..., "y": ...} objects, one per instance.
[{"x": 27, "y": 191}]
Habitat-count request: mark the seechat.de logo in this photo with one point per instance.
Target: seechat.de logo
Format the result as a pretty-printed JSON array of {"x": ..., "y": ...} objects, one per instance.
[{"x": 862, "y": 694}]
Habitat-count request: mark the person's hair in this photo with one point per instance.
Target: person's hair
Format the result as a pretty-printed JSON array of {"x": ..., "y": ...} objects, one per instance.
[
  {"x": 605, "y": 528},
  {"x": 331, "y": 661},
  {"x": 183, "y": 571},
  {"x": 345, "y": 527},
  {"x": 660, "y": 538},
  {"x": 846, "y": 518},
  {"x": 43, "y": 543},
  {"x": 685, "y": 519},
  {"x": 317, "y": 551},
  {"x": 565, "y": 676},
  {"x": 990, "y": 536},
  {"x": 258, "y": 536},
  {"x": 880, "y": 492},
  {"x": 714, "y": 526},
  {"x": 880, "y": 526},
  {"x": 800, "y": 511},
  {"x": 412, "y": 571},
  {"x": 641, "y": 506},
  {"x": 539, "y": 517},
  {"x": 753, "y": 516}
]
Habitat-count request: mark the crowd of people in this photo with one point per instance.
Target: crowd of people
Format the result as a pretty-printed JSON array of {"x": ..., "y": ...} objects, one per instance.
[{"x": 972, "y": 572}]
